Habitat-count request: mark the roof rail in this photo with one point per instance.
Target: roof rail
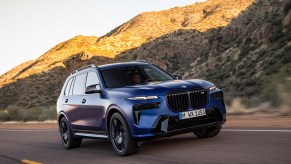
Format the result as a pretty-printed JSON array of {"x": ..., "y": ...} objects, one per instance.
[
  {"x": 82, "y": 68},
  {"x": 143, "y": 61}
]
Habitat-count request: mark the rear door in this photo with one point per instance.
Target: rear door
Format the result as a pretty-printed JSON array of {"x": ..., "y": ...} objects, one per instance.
[{"x": 72, "y": 101}]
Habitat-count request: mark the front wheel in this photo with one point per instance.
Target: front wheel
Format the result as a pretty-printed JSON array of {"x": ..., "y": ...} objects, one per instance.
[
  {"x": 67, "y": 137},
  {"x": 207, "y": 132},
  {"x": 120, "y": 136}
]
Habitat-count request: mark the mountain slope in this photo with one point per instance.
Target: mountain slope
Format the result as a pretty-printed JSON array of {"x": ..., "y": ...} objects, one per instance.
[
  {"x": 241, "y": 58},
  {"x": 51, "y": 59},
  {"x": 150, "y": 25}
]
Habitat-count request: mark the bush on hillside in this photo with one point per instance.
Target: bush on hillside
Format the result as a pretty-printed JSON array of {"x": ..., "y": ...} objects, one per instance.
[
  {"x": 15, "y": 113},
  {"x": 287, "y": 7}
]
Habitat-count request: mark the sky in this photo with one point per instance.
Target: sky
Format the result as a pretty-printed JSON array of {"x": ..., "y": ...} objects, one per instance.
[{"x": 29, "y": 28}]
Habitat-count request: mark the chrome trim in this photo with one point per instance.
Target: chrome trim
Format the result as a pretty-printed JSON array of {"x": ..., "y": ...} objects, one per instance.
[
  {"x": 92, "y": 135},
  {"x": 88, "y": 131}
]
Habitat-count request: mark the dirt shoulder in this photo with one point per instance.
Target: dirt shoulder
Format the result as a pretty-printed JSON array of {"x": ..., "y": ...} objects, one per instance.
[
  {"x": 258, "y": 122},
  {"x": 232, "y": 122},
  {"x": 48, "y": 125}
]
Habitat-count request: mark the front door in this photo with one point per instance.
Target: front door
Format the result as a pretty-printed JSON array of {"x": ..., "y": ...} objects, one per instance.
[{"x": 93, "y": 113}]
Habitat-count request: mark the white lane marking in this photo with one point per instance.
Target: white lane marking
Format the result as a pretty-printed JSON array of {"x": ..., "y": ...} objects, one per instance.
[
  {"x": 256, "y": 130},
  {"x": 29, "y": 130}
]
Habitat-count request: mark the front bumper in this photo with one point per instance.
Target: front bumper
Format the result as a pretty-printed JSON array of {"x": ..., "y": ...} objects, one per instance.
[
  {"x": 161, "y": 121},
  {"x": 171, "y": 125}
]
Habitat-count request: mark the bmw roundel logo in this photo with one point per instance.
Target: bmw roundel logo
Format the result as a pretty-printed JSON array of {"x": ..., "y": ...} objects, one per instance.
[{"x": 183, "y": 86}]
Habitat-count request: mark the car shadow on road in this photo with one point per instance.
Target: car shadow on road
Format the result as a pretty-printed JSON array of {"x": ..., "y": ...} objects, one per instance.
[{"x": 149, "y": 147}]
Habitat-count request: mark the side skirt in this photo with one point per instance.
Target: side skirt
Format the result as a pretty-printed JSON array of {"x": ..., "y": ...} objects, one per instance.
[{"x": 90, "y": 134}]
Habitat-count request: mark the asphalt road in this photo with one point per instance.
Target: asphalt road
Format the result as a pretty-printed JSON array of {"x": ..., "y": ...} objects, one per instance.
[{"x": 230, "y": 146}]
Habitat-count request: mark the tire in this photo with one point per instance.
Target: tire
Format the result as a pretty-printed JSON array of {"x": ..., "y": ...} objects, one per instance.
[
  {"x": 67, "y": 136},
  {"x": 120, "y": 136},
  {"x": 207, "y": 132}
]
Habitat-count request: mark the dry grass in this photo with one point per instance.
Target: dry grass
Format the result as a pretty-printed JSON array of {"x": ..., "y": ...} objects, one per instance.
[{"x": 15, "y": 113}]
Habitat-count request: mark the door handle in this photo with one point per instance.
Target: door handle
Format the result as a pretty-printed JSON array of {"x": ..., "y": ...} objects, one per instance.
[
  {"x": 66, "y": 100},
  {"x": 83, "y": 101}
]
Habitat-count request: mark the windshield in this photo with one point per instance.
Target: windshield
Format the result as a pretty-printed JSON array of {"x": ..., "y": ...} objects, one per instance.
[{"x": 133, "y": 75}]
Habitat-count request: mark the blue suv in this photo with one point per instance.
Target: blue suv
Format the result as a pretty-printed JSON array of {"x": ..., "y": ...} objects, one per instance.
[{"x": 135, "y": 101}]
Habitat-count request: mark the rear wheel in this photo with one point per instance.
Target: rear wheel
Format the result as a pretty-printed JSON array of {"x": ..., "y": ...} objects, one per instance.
[
  {"x": 207, "y": 132},
  {"x": 120, "y": 136},
  {"x": 67, "y": 137}
]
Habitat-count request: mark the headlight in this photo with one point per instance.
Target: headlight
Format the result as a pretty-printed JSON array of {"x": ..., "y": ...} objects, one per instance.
[
  {"x": 143, "y": 98},
  {"x": 212, "y": 88}
]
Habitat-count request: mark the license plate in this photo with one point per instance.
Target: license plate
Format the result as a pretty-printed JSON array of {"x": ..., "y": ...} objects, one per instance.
[{"x": 192, "y": 114}]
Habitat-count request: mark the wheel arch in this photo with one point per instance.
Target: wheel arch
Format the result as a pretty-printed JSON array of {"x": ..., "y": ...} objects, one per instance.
[
  {"x": 61, "y": 115},
  {"x": 115, "y": 109}
]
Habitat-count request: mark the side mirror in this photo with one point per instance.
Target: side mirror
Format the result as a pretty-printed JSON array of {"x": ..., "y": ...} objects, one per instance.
[
  {"x": 93, "y": 89},
  {"x": 177, "y": 77}
]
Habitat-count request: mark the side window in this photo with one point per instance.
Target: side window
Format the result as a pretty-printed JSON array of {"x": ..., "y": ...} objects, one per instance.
[
  {"x": 79, "y": 84},
  {"x": 92, "y": 79},
  {"x": 69, "y": 84},
  {"x": 71, "y": 89}
]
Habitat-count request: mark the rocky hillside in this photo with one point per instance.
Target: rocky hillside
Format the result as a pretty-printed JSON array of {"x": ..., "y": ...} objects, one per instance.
[
  {"x": 243, "y": 47},
  {"x": 55, "y": 57},
  {"x": 250, "y": 58},
  {"x": 148, "y": 26}
]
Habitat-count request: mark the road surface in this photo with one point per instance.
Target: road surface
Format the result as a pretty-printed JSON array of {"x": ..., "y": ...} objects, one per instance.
[{"x": 232, "y": 145}]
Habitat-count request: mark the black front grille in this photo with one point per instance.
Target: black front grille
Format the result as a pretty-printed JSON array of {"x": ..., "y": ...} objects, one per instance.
[{"x": 181, "y": 100}]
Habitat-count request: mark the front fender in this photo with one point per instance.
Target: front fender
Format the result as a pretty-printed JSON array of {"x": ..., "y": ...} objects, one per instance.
[{"x": 113, "y": 109}]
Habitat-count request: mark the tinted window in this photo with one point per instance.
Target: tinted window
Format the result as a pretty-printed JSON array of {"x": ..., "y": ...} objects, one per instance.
[
  {"x": 79, "y": 85},
  {"x": 115, "y": 78},
  {"x": 71, "y": 89},
  {"x": 155, "y": 74},
  {"x": 125, "y": 76},
  {"x": 67, "y": 90},
  {"x": 92, "y": 79}
]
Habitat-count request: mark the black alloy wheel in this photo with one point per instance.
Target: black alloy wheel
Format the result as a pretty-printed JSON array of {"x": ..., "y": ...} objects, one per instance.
[
  {"x": 120, "y": 136},
  {"x": 67, "y": 137}
]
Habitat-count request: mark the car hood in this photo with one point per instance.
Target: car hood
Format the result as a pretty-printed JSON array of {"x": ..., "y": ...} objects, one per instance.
[{"x": 162, "y": 88}]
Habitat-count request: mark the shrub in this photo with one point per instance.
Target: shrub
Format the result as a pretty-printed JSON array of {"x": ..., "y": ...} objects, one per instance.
[
  {"x": 272, "y": 92},
  {"x": 48, "y": 114},
  {"x": 287, "y": 7},
  {"x": 15, "y": 113},
  {"x": 10, "y": 113},
  {"x": 285, "y": 55}
]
